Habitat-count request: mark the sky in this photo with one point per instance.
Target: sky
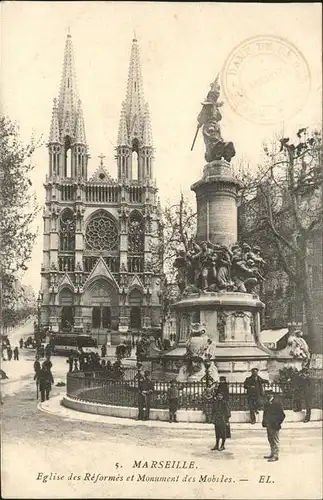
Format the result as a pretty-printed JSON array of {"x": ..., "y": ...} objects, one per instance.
[{"x": 183, "y": 47}]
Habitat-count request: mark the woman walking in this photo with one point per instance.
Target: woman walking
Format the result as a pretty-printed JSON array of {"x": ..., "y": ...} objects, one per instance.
[{"x": 220, "y": 415}]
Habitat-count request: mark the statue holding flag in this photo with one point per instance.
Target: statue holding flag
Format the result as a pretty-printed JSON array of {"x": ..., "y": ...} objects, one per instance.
[{"x": 208, "y": 119}]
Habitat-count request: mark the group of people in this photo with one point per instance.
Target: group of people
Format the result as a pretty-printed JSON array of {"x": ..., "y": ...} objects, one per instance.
[
  {"x": 212, "y": 267},
  {"x": 91, "y": 361},
  {"x": 217, "y": 407},
  {"x": 11, "y": 353},
  {"x": 301, "y": 393},
  {"x": 217, "y": 411},
  {"x": 29, "y": 342}
]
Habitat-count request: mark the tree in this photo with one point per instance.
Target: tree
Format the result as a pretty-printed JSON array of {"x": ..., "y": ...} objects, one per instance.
[
  {"x": 22, "y": 304},
  {"x": 281, "y": 208},
  {"x": 177, "y": 230},
  {"x": 18, "y": 209}
]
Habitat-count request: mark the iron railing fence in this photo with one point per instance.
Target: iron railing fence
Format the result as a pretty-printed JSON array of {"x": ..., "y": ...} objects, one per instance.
[{"x": 93, "y": 387}]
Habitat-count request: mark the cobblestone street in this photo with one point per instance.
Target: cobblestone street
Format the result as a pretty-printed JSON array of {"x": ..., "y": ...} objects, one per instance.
[{"x": 104, "y": 457}]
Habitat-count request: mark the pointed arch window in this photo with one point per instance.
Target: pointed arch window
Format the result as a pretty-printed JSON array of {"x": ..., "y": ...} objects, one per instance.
[
  {"x": 67, "y": 231},
  {"x": 135, "y": 160},
  {"x": 67, "y": 158},
  {"x": 136, "y": 233},
  {"x": 134, "y": 166}
]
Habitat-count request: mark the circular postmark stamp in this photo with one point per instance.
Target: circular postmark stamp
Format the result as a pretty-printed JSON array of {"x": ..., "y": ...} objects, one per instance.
[{"x": 266, "y": 79}]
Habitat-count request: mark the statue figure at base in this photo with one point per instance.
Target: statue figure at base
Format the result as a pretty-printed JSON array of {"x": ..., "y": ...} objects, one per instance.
[
  {"x": 298, "y": 348},
  {"x": 199, "y": 349}
]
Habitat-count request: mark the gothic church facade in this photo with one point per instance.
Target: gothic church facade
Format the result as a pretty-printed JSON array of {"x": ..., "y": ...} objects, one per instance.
[{"x": 101, "y": 269}]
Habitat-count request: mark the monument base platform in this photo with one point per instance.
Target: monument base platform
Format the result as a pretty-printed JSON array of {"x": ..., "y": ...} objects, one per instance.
[{"x": 231, "y": 321}]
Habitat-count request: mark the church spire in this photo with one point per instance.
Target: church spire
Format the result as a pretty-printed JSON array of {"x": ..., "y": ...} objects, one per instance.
[
  {"x": 123, "y": 132},
  {"x": 135, "y": 95},
  {"x": 68, "y": 95},
  {"x": 67, "y": 126},
  {"x": 54, "y": 127},
  {"x": 135, "y": 138},
  {"x": 147, "y": 133},
  {"x": 80, "y": 136}
]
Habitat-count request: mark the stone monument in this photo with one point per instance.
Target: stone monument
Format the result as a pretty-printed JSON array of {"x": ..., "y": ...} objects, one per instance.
[{"x": 218, "y": 277}]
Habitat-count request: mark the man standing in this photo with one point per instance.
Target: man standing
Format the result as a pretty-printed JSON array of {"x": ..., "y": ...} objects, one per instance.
[
  {"x": 70, "y": 361},
  {"x": 37, "y": 368},
  {"x": 273, "y": 417},
  {"x": 45, "y": 381},
  {"x": 9, "y": 352},
  {"x": 173, "y": 398},
  {"x": 146, "y": 388},
  {"x": 223, "y": 387},
  {"x": 255, "y": 392},
  {"x": 16, "y": 354},
  {"x": 47, "y": 363}
]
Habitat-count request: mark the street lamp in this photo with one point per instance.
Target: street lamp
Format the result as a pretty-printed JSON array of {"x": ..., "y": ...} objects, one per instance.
[
  {"x": 207, "y": 364},
  {"x": 39, "y": 304},
  {"x": 138, "y": 375}
]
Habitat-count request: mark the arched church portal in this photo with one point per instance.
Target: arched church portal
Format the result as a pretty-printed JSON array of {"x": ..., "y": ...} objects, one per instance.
[
  {"x": 135, "y": 303},
  {"x": 103, "y": 301},
  {"x": 67, "y": 309}
]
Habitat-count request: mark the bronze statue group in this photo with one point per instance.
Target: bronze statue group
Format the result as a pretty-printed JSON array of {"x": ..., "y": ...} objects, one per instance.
[{"x": 213, "y": 268}]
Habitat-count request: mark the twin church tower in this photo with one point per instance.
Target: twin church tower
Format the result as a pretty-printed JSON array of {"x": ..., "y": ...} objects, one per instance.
[{"x": 101, "y": 267}]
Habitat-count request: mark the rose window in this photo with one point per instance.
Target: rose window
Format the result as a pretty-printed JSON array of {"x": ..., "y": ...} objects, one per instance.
[{"x": 102, "y": 233}]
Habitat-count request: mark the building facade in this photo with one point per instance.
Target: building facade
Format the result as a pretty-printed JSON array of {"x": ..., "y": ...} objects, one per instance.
[{"x": 99, "y": 269}]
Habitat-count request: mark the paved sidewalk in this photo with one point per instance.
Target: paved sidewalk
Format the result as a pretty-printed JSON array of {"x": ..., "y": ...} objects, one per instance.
[{"x": 54, "y": 407}]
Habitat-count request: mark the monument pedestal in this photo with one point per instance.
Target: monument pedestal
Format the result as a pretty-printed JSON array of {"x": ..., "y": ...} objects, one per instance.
[
  {"x": 232, "y": 322},
  {"x": 216, "y": 195}
]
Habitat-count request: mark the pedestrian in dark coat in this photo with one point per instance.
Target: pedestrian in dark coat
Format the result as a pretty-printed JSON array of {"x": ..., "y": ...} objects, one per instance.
[
  {"x": 146, "y": 388},
  {"x": 272, "y": 419},
  {"x": 173, "y": 401},
  {"x": 21, "y": 343},
  {"x": 9, "y": 352},
  {"x": 45, "y": 381},
  {"x": 16, "y": 354},
  {"x": 37, "y": 367},
  {"x": 254, "y": 387},
  {"x": 70, "y": 362},
  {"x": 48, "y": 364},
  {"x": 223, "y": 387},
  {"x": 221, "y": 415}
]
